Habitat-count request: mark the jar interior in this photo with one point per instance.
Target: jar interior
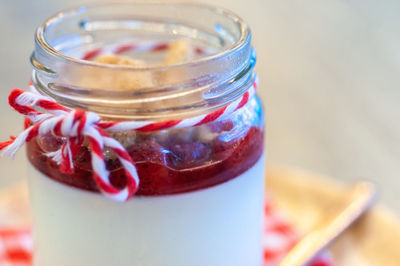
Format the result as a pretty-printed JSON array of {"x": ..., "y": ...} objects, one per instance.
[{"x": 101, "y": 26}]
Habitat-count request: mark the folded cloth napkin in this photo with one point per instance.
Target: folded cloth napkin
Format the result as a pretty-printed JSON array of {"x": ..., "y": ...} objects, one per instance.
[{"x": 16, "y": 244}]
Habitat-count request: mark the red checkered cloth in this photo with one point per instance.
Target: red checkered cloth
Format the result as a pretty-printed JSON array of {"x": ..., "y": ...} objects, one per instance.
[
  {"x": 15, "y": 247},
  {"x": 16, "y": 244}
]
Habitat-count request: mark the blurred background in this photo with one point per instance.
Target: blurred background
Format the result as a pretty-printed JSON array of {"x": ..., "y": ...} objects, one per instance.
[{"x": 329, "y": 70}]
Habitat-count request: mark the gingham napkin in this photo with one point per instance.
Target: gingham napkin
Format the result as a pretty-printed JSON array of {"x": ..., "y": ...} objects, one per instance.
[{"x": 16, "y": 244}]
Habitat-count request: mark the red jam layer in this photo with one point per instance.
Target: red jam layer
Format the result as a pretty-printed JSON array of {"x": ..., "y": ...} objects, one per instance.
[{"x": 175, "y": 167}]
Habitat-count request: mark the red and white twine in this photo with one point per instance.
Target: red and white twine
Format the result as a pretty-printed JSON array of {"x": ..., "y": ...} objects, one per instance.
[
  {"x": 75, "y": 125},
  {"x": 143, "y": 47}
]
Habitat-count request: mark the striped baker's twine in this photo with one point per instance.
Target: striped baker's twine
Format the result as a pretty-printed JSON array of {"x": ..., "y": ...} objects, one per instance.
[
  {"x": 142, "y": 47},
  {"x": 74, "y": 125}
]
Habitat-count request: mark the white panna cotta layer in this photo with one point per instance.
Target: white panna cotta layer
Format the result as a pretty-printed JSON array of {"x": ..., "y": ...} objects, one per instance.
[{"x": 217, "y": 226}]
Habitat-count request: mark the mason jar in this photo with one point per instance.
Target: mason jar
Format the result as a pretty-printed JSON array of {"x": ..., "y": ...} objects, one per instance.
[{"x": 200, "y": 194}]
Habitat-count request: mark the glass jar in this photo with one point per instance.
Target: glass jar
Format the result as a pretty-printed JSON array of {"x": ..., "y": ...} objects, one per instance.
[{"x": 201, "y": 191}]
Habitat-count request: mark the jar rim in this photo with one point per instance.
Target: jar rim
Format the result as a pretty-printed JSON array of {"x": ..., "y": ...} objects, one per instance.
[
  {"x": 198, "y": 86},
  {"x": 245, "y": 36}
]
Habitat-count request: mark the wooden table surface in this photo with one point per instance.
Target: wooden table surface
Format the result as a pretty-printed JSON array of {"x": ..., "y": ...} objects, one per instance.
[{"x": 329, "y": 81}]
